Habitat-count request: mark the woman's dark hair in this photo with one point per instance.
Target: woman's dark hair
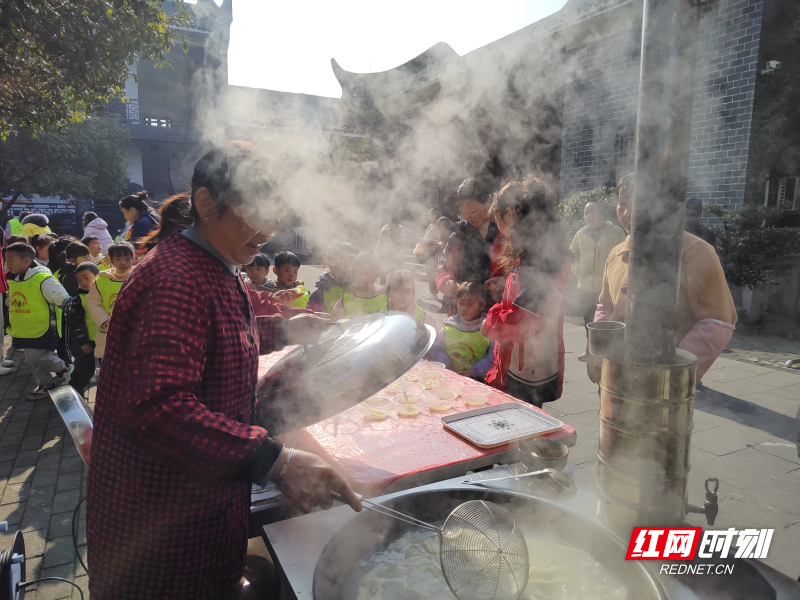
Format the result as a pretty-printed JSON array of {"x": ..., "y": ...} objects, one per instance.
[
  {"x": 52, "y": 235},
  {"x": 120, "y": 249},
  {"x": 89, "y": 216},
  {"x": 40, "y": 241},
  {"x": 175, "y": 215},
  {"x": 230, "y": 171},
  {"x": 260, "y": 260},
  {"x": 13, "y": 239},
  {"x": 22, "y": 249},
  {"x": 88, "y": 266},
  {"x": 56, "y": 253},
  {"x": 537, "y": 234},
  {"x": 76, "y": 250},
  {"x": 137, "y": 201}
]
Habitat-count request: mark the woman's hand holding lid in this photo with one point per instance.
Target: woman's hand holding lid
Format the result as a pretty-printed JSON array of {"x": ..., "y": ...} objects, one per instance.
[
  {"x": 305, "y": 329},
  {"x": 308, "y": 481}
]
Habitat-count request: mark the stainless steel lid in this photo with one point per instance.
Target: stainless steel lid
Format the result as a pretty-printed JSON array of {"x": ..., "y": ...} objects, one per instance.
[{"x": 351, "y": 362}]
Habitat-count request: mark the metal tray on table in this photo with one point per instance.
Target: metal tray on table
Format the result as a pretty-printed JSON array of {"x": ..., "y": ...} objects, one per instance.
[{"x": 500, "y": 424}]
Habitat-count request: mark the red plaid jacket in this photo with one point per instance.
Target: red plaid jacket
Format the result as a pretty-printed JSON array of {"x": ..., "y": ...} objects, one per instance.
[{"x": 172, "y": 449}]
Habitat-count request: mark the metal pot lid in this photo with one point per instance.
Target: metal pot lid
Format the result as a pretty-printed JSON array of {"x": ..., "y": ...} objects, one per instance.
[{"x": 351, "y": 362}]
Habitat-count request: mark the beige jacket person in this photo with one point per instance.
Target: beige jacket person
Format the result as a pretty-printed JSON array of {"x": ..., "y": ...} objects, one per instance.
[{"x": 590, "y": 256}]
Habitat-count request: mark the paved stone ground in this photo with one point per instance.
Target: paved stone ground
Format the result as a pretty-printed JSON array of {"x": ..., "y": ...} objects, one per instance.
[{"x": 744, "y": 431}]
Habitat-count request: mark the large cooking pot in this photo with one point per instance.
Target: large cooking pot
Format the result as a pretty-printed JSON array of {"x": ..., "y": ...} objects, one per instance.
[
  {"x": 351, "y": 362},
  {"x": 345, "y": 559}
]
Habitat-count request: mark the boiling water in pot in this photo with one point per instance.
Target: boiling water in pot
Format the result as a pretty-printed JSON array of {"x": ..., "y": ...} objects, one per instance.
[{"x": 408, "y": 569}]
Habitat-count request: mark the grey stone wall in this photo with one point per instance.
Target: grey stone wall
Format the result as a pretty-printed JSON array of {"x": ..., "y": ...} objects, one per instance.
[
  {"x": 600, "y": 112},
  {"x": 725, "y": 82},
  {"x": 601, "y": 95}
]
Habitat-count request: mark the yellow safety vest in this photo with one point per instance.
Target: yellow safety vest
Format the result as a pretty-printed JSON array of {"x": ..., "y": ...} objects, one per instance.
[
  {"x": 59, "y": 312},
  {"x": 331, "y": 297},
  {"x": 108, "y": 289},
  {"x": 464, "y": 348},
  {"x": 15, "y": 226},
  {"x": 90, "y": 326},
  {"x": 356, "y": 307},
  {"x": 302, "y": 301},
  {"x": 28, "y": 311}
]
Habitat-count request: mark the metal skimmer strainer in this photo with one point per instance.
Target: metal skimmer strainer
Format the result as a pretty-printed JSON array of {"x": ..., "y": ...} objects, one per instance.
[{"x": 482, "y": 551}]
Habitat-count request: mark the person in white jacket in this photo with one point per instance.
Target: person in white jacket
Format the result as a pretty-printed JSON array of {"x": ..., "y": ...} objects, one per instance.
[
  {"x": 93, "y": 225},
  {"x": 33, "y": 296}
]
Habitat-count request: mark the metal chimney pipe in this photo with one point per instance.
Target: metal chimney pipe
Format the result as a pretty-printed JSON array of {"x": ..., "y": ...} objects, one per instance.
[{"x": 666, "y": 91}]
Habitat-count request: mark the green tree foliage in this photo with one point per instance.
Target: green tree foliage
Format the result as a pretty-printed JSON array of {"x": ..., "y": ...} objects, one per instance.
[
  {"x": 60, "y": 59},
  {"x": 85, "y": 161},
  {"x": 572, "y": 208},
  {"x": 746, "y": 239}
]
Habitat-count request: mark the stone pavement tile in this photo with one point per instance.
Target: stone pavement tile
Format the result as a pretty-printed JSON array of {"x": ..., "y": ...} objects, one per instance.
[
  {"x": 738, "y": 364},
  {"x": 728, "y": 438},
  {"x": 36, "y": 518},
  {"x": 69, "y": 481},
  {"x": 590, "y": 466},
  {"x": 780, "y": 448},
  {"x": 782, "y": 554},
  {"x": 44, "y": 477},
  {"x": 751, "y": 415},
  {"x": 726, "y": 374},
  {"x": 32, "y": 442},
  {"x": 72, "y": 464},
  {"x": 83, "y": 583},
  {"x": 9, "y": 453},
  {"x": 742, "y": 387},
  {"x": 60, "y": 525},
  {"x": 14, "y": 493},
  {"x": 55, "y": 590},
  {"x": 783, "y": 406},
  {"x": 66, "y": 501},
  {"x": 777, "y": 379},
  {"x": 27, "y": 458},
  {"x": 41, "y": 497},
  {"x": 577, "y": 404},
  {"x": 35, "y": 543},
  {"x": 584, "y": 422},
  {"x": 705, "y": 420},
  {"x": 790, "y": 392},
  {"x": 33, "y": 570},
  {"x": 12, "y": 439},
  {"x": 20, "y": 474},
  {"x": 698, "y": 456},
  {"x": 749, "y": 468},
  {"x": 50, "y": 461},
  {"x": 585, "y": 450},
  {"x": 16, "y": 427},
  {"x": 579, "y": 387},
  {"x": 12, "y": 513},
  {"x": 59, "y": 551}
]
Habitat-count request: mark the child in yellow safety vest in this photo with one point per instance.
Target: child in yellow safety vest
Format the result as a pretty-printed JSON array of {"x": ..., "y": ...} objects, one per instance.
[
  {"x": 79, "y": 329},
  {"x": 334, "y": 281},
  {"x": 401, "y": 294},
  {"x": 460, "y": 344},
  {"x": 363, "y": 296},
  {"x": 103, "y": 292},
  {"x": 33, "y": 295},
  {"x": 287, "y": 265}
]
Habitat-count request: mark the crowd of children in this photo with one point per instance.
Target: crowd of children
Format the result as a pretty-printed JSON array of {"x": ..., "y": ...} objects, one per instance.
[
  {"x": 60, "y": 294},
  {"x": 503, "y": 269}
]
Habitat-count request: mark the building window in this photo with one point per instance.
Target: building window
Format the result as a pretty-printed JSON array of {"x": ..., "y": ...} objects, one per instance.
[{"x": 787, "y": 193}]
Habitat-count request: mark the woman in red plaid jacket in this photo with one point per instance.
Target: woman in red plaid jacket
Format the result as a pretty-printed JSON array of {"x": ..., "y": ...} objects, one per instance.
[{"x": 173, "y": 452}]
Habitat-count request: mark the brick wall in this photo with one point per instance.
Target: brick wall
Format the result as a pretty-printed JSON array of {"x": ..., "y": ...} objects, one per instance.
[
  {"x": 725, "y": 83},
  {"x": 601, "y": 95},
  {"x": 600, "y": 112}
]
